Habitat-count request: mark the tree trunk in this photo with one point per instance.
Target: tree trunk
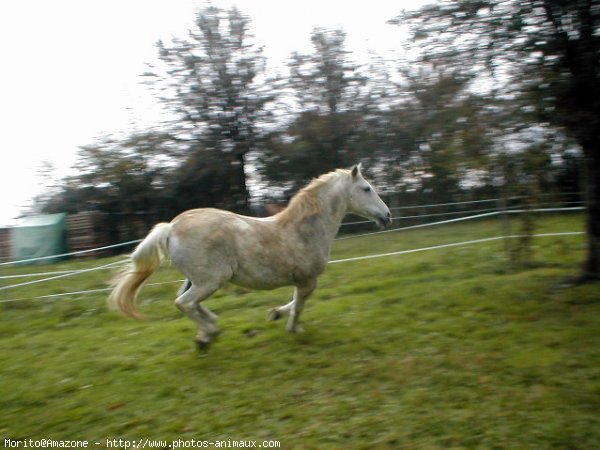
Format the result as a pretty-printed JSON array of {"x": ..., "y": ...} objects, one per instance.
[
  {"x": 238, "y": 188},
  {"x": 591, "y": 268}
]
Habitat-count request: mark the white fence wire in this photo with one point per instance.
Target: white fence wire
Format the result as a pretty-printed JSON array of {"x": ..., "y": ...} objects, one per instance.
[
  {"x": 398, "y": 208},
  {"x": 335, "y": 261},
  {"x": 65, "y": 275},
  {"x": 68, "y": 273},
  {"x": 64, "y": 255},
  {"x": 453, "y": 244}
]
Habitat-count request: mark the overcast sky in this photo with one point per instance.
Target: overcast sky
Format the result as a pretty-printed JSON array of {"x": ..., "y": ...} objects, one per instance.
[{"x": 71, "y": 68}]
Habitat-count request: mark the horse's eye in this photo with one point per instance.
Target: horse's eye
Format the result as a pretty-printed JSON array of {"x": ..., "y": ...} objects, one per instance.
[{"x": 367, "y": 189}]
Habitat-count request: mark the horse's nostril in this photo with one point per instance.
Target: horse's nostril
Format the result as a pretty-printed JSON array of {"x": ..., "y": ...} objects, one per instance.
[{"x": 385, "y": 219}]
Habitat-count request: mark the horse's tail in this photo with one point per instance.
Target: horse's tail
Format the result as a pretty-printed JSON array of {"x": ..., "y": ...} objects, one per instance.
[{"x": 145, "y": 259}]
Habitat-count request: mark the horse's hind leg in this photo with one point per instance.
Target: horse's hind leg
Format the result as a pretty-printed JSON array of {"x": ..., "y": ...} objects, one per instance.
[
  {"x": 301, "y": 294},
  {"x": 184, "y": 287},
  {"x": 189, "y": 303},
  {"x": 282, "y": 311}
]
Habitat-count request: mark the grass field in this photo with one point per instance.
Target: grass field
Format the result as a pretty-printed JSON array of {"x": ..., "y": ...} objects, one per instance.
[{"x": 447, "y": 348}]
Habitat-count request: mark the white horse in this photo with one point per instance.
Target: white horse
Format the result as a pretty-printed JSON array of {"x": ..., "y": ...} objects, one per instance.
[{"x": 212, "y": 247}]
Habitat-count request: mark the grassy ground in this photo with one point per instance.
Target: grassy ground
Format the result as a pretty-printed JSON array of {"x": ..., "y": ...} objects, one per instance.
[{"x": 440, "y": 349}]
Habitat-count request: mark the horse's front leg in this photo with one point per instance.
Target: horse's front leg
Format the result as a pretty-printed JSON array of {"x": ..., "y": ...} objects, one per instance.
[
  {"x": 295, "y": 307},
  {"x": 301, "y": 294}
]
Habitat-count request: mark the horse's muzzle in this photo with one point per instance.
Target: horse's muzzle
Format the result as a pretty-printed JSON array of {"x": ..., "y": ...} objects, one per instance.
[{"x": 384, "y": 220}]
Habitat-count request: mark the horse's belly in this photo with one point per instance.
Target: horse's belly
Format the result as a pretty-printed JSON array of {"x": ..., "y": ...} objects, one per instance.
[{"x": 262, "y": 278}]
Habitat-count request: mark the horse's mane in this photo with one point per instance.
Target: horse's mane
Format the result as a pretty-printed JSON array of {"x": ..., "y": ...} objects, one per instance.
[{"x": 306, "y": 201}]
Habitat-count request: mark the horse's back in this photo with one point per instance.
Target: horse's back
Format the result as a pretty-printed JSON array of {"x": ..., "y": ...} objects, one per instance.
[
  {"x": 245, "y": 250},
  {"x": 250, "y": 252}
]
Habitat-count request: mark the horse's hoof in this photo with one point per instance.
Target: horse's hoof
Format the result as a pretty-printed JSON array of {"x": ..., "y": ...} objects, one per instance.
[
  {"x": 202, "y": 345},
  {"x": 274, "y": 315},
  {"x": 296, "y": 330}
]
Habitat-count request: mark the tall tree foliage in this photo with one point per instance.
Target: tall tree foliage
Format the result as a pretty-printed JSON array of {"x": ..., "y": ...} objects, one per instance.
[
  {"x": 323, "y": 135},
  {"x": 212, "y": 86},
  {"x": 125, "y": 179},
  {"x": 326, "y": 81},
  {"x": 434, "y": 137},
  {"x": 543, "y": 55}
]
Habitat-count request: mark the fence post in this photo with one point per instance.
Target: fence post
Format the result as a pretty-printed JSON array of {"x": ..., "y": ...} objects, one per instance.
[{"x": 505, "y": 224}]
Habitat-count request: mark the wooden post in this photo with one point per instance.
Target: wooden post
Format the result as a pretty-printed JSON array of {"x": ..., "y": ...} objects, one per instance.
[{"x": 506, "y": 227}]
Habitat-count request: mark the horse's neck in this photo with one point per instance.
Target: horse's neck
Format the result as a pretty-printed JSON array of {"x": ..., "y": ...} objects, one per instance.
[{"x": 333, "y": 205}]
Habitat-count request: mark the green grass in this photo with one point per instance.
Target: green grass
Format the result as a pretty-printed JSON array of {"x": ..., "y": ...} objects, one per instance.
[{"x": 444, "y": 349}]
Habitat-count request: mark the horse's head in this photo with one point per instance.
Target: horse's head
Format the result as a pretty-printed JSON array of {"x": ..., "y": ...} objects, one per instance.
[{"x": 364, "y": 201}]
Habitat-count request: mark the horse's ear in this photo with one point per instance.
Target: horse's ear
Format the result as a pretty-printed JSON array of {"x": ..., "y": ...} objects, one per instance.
[{"x": 356, "y": 170}]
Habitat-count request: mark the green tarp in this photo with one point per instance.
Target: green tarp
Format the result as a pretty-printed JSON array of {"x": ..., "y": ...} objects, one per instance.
[{"x": 39, "y": 236}]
